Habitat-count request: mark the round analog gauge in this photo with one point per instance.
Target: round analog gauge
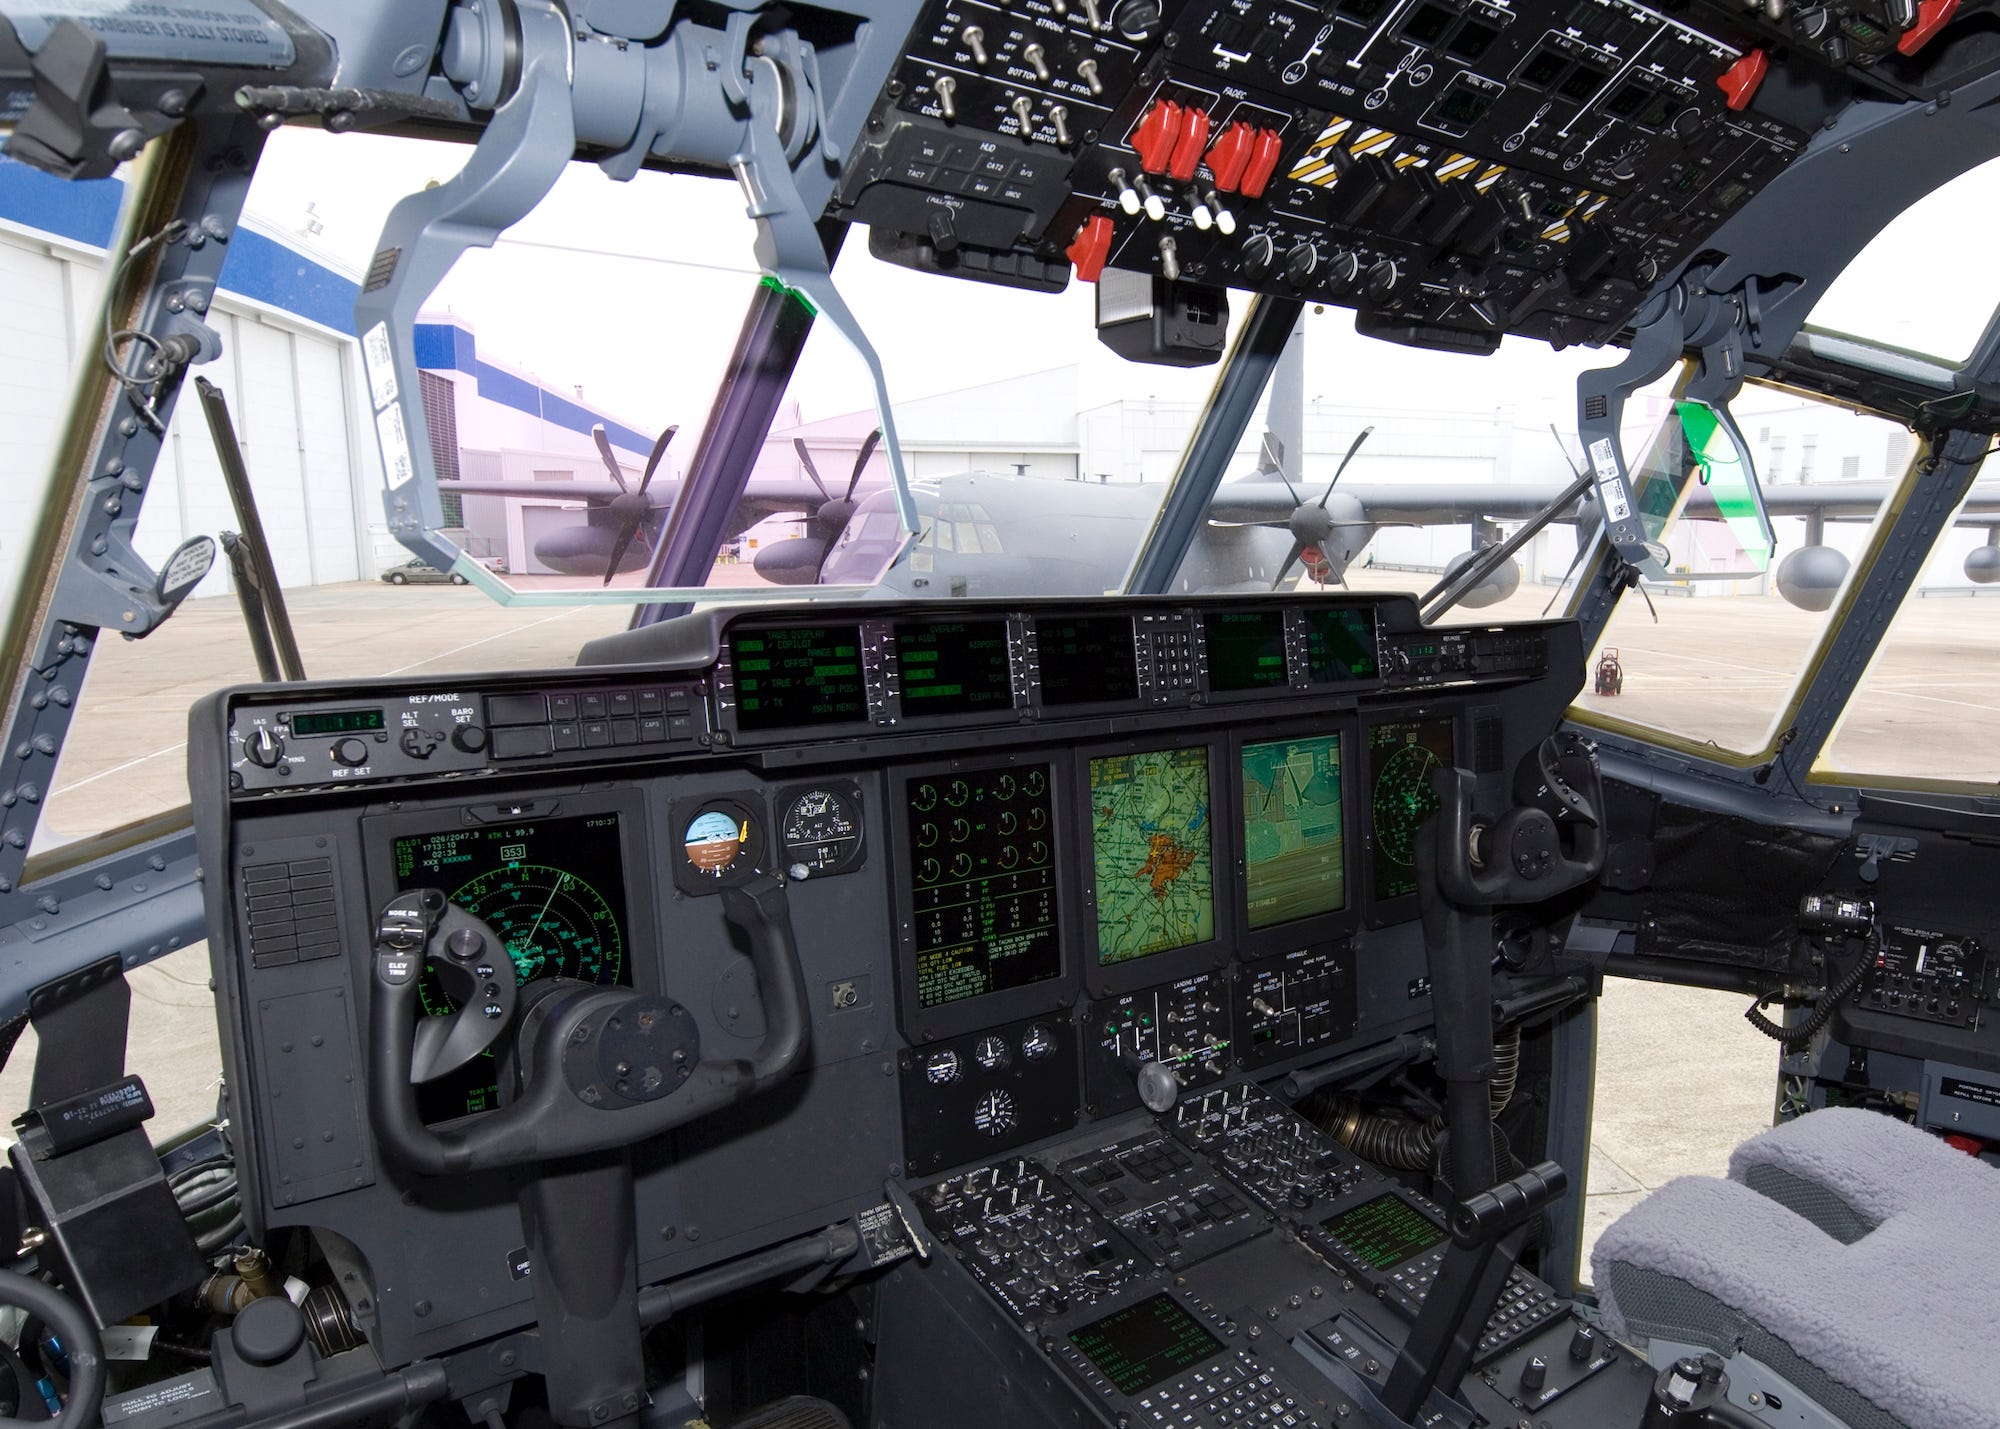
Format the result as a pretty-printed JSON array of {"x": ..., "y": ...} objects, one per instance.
[
  {"x": 1038, "y": 819},
  {"x": 942, "y": 1068},
  {"x": 927, "y": 834},
  {"x": 958, "y": 793},
  {"x": 714, "y": 841},
  {"x": 1403, "y": 800},
  {"x": 993, "y": 1053},
  {"x": 961, "y": 830},
  {"x": 552, "y": 923},
  {"x": 929, "y": 871},
  {"x": 821, "y": 829},
  {"x": 1004, "y": 787},
  {"x": 993, "y": 1114},
  {"x": 1035, "y": 782},
  {"x": 720, "y": 842},
  {"x": 924, "y": 798},
  {"x": 1007, "y": 823},
  {"x": 1038, "y": 1042}
]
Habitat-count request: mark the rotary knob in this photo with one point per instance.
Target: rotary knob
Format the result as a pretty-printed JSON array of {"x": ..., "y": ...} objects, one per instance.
[
  {"x": 1260, "y": 255},
  {"x": 263, "y": 748},
  {"x": 1383, "y": 278},
  {"x": 1342, "y": 268},
  {"x": 350, "y": 751},
  {"x": 1300, "y": 263}
]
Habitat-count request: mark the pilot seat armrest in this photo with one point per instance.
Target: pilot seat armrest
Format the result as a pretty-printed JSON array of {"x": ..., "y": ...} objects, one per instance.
[{"x": 1848, "y": 1170}]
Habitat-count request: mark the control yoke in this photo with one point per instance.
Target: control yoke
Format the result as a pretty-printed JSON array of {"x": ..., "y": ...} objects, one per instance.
[
  {"x": 1550, "y": 840},
  {"x": 605, "y": 1067}
]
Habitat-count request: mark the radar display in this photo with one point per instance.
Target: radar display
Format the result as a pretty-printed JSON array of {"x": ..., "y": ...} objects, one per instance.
[
  {"x": 1150, "y": 842},
  {"x": 1294, "y": 843},
  {"x": 1401, "y": 757},
  {"x": 520, "y": 880}
]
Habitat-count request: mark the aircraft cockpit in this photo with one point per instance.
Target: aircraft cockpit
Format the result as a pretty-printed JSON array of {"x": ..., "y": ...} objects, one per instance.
[{"x": 1312, "y": 748}]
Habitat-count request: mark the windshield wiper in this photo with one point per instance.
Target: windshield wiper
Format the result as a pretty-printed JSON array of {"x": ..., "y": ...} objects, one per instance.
[{"x": 1448, "y": 592}]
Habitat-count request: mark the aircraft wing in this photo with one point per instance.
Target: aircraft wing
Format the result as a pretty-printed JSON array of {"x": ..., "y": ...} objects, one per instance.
[
  {"x": 1411, "y": 504},
  {"x": 563, "y": 490}
]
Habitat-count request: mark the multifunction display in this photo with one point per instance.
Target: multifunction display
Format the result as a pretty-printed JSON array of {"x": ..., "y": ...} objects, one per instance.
[
  {"x": 1087, "y": 660},
  {"x": 1246, "y": 650},
  {"x": 1340, "y": 645},
  {"x": 982, "y": 882},
  {"x": 1137, "y": 1347},
  {"x": 954, "y": 667},
  {"x": 1150, "y": 847},
  {"x": 1384, "y": 1232},
  {"x": 1294, "y": 841},
  {"x": 797, "y": 675},
  {"x": 523, "y": 881},
  {"x": 1401, "y": 758}
]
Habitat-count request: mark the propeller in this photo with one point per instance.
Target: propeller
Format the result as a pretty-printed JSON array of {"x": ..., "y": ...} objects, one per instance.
[
  {"x": 1311, "y": 524},
  {"x": 798, "y": 562},
  {"x": 631, "y": 509}
]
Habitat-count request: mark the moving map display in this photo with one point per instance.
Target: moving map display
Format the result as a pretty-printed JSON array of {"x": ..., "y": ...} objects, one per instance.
[
  {"x": 982, "y": 882},
  {"x": 1401, "y": 757},
  {"x": 1150, "y": 843},
  {"x": 1294, "y": 838}
]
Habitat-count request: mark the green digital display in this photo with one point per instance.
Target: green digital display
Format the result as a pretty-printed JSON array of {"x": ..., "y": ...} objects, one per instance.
[
  {"x": 798, "y": 675},
  {"x": 954, "y": 667},
  {"x": 1137, "y": 1347},
  {"x": 1087, "y": 660},
  {"x": 1340, "y": 645},
  {"x": 337, "y": 722},
  {"x": 1384, "y": 1232},
  {"x": 553, "y": 890},
  {"x": 1150, "y": 840},
  {"x": 1294, "y": 842},
  {"x": 1246, "y": 650},
  {"x": 1401, "y": 758}
]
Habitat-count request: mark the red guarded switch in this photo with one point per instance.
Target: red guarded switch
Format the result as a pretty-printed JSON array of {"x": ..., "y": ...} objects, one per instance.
[
  {"x": 1153, "y": 141},
  {"x": 1230, "y": 155},
  {"x": 1263, "y": 162},
  {"x": 1739, "y": 82},
  {"x": 1091, "y": 247},
  {"x": 1932, "y": 16},
  {"x": 1194, "y": 139}
]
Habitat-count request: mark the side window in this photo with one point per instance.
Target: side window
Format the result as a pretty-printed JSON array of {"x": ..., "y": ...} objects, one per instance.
[
  {"x": 1713, "y": 656},
  {"x": 1929, "y": 706}
]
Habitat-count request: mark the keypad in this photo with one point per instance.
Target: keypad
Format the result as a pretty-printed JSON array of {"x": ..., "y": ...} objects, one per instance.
[{"x": 1231, "y": 1392}]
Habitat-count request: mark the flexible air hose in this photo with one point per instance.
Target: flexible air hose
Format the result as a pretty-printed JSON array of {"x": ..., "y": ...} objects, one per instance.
[{"x": 1398, "y": 1142}]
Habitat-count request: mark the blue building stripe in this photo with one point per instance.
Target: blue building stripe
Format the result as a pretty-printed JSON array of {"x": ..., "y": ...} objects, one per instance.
[{"x": 267, "y": 271}]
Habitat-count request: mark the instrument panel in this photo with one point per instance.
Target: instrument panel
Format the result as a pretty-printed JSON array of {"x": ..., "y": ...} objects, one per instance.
[{"x": 1048, "y": 866}]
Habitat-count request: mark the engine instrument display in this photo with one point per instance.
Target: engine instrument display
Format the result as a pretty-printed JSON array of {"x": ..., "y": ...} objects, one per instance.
[
  {"x": 799, "y": 675},
  {"x": 1401, "y": 757},
  {"x": 1294, "y": 839},
  {"x": 1151, "y": 847},
  {"x": 954, "y": 667},
  {"x": 982, "y": 882},
  {"x": 1137, "y": 1347},
  {"x": 1246, "y": 650},
  {"x": 1340, "y": 645},
  {"x": 518, "y": 879},
  {"x": 1087, "y": 659}
]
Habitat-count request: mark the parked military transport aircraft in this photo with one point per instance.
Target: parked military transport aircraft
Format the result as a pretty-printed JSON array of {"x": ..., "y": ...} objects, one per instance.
[{"x": 1044, "y": 967}]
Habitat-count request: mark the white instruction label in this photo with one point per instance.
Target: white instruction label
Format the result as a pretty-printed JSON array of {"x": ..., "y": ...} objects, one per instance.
[
  {"x": 396, "y": 467},
  {"x": 129, "y": 1342},
  {"x": 1610, "y": 486},
  {"x": 380, "y": 358}
]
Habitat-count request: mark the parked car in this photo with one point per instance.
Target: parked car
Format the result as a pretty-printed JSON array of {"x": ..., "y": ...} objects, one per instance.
[{"x": 418, "y": 571}]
